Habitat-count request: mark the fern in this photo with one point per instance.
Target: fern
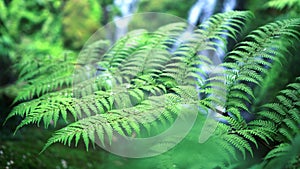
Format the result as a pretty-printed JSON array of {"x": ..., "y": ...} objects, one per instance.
[
  {"x": 286, "y": 110},
  {"x": 276, "y": 122},
  {"x": 281, "y": 4},
  {"x": 283, "y": 155},
  {"x": 142, "y": 82},
  {"x": 251, "y": 59}
]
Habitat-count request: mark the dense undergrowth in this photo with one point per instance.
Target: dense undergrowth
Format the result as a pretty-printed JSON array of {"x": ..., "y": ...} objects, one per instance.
[{"x": 109, "y": 91}]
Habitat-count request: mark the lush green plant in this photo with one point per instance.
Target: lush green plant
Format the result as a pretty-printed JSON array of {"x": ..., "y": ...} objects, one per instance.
[
  {"x": 87, "y": 15},
  {"x": 281, "y": 4},
  {"x": 30, "y": 31},
  {"x": 142, "y": 79},
  {"x": 19, "y": 22}
]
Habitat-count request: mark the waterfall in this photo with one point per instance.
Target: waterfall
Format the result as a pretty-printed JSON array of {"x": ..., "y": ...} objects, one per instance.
[
  {"x": 201, "y": 11},
  {"x": 208, "y": 10},
  {"x": 194, "y": 13},
  {"x": 229, "y": 5},
  {"x": 126, "y": 7}
]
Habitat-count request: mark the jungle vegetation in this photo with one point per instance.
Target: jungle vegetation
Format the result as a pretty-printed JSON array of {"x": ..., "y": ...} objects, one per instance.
[{"x": 113, "y": 88}]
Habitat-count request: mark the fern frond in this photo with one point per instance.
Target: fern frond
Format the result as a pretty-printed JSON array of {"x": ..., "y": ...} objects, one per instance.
[
  {"x": 284, "y": 113},
  {"x": 46, "y": 78},
  {"x": 281, "y": 4},
  {"x": 279, "y": 150},
  {"x": 119, "y": 120},
  {"x": 251, "y": 60},
  {"x": 232, "y": 22},
  {"x": 179, "y": 69},
  {"x": 239, "y": 142},
  {"x": 138, "y": 86}
]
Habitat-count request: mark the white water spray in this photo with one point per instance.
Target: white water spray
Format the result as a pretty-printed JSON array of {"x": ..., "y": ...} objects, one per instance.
[{"x": 127, "y": 7}]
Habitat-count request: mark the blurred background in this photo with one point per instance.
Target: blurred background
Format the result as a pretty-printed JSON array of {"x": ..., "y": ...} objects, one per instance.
[{"x": 37, "y": 29}]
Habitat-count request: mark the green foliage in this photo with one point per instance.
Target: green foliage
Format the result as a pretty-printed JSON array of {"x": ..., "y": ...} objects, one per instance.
[
  {"x": 281, "y": 4},
  {"x": 167, "y": 5},
  {"x": 143, "y": 85},
  {"x": 19, "y": 20},
  {"x": 22, "y": 47},
  {"x": 283, "y": 8},
  {"x": 87, "y": 15}
]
